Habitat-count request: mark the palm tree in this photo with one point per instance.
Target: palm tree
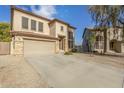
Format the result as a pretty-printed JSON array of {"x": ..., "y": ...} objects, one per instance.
[{"x": 107, "y": 16}]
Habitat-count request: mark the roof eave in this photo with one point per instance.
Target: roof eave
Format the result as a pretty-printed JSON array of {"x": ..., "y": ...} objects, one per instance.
[{"x": 31, "y": 34}]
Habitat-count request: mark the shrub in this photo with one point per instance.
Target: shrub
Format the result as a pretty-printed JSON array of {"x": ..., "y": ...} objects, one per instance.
[
  {"x": 5, "y": 32},
  {"x": 68, "y": 53},
  {"x": 74, "y": 50}
]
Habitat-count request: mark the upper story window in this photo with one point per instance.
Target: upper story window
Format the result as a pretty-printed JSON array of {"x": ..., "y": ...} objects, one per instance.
[
  {"x": 33, "y": 25},
  {"x": 40, "y": 26},
  {"x": 24, "y": 22},
  {"x": 70, "y": 35},
  {"x": 99, "y": 38},
  {"x": 62, "y": 28},
  {"x": 70, "y": 39}
]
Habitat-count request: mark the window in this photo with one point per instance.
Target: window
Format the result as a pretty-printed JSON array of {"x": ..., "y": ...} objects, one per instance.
[
  {"x": 70, "y": 43},
  {"x": 70, "y": 35},
  {"x": 33, "y": 25},
  {"x": 97, "y": 38},
  {"x": 40, "y": 26},
  {"x": 70, "y": 39},
  {"x": 101, "y": 38},
  {"x": 24, "y": 22},
  {"x": 96, "y": 45},
  {"x": 62, "y": 28}
]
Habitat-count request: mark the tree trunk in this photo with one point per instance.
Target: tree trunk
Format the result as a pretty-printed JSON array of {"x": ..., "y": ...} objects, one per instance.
[{"x": 123, "y": 33}]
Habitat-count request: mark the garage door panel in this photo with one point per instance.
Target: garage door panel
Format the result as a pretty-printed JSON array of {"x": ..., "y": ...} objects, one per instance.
[{"x": 32, "y": 47}]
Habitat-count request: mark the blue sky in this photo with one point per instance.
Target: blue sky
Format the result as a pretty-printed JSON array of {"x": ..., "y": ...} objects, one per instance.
[{"x": 76, "y": 15}]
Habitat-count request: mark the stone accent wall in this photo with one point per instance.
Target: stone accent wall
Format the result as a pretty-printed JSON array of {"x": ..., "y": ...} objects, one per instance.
[{"x": 17, "y": 45}]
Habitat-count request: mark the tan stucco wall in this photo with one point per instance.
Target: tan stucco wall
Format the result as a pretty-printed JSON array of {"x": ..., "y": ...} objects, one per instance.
[
  {"x": 17, "y": 23},
  {"x": 66, "y": 28},
  {"x": 58, "y": 32},
  {"x": 58, "y": 29}
]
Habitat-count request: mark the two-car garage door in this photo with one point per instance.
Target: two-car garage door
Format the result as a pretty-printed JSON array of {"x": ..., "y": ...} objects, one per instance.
[{"x": 32, "y": 47}]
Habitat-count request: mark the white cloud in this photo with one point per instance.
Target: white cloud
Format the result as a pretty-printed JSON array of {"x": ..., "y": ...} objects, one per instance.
[{"x": 48, "y": 11}]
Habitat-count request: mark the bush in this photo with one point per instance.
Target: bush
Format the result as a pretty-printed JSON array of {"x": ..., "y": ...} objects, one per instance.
[
  {"x": 5, "y": 32},
  {"x": 68, "y": 53},
  {"x": 95, "y": 51},
  {"x": 74, "y": 50}
]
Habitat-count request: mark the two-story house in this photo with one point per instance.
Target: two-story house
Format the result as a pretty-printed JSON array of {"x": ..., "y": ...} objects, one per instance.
[
  {"x": 34, "y": 34},
  {"x": 110, "y": 40}
]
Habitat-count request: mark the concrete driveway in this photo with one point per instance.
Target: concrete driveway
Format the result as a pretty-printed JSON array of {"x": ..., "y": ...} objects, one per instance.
[
  {"x": 15, "y": 72},
  {"x": 71, "y": 71}
]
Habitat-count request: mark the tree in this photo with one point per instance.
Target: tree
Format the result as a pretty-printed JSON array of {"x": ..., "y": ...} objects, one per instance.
[
  {"x": 5, "y": 32},
  {"x": 106, "y": 16},
  {"x": 91, "y": 38},
  {"x": 122, "y": 22}
]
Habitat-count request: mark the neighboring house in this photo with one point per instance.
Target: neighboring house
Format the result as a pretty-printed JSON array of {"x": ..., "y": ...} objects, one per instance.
[
  {"x": 106, "y": 41},
  {"x": 33, "y": 34},
  {"x": 87, "y": 32}
]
